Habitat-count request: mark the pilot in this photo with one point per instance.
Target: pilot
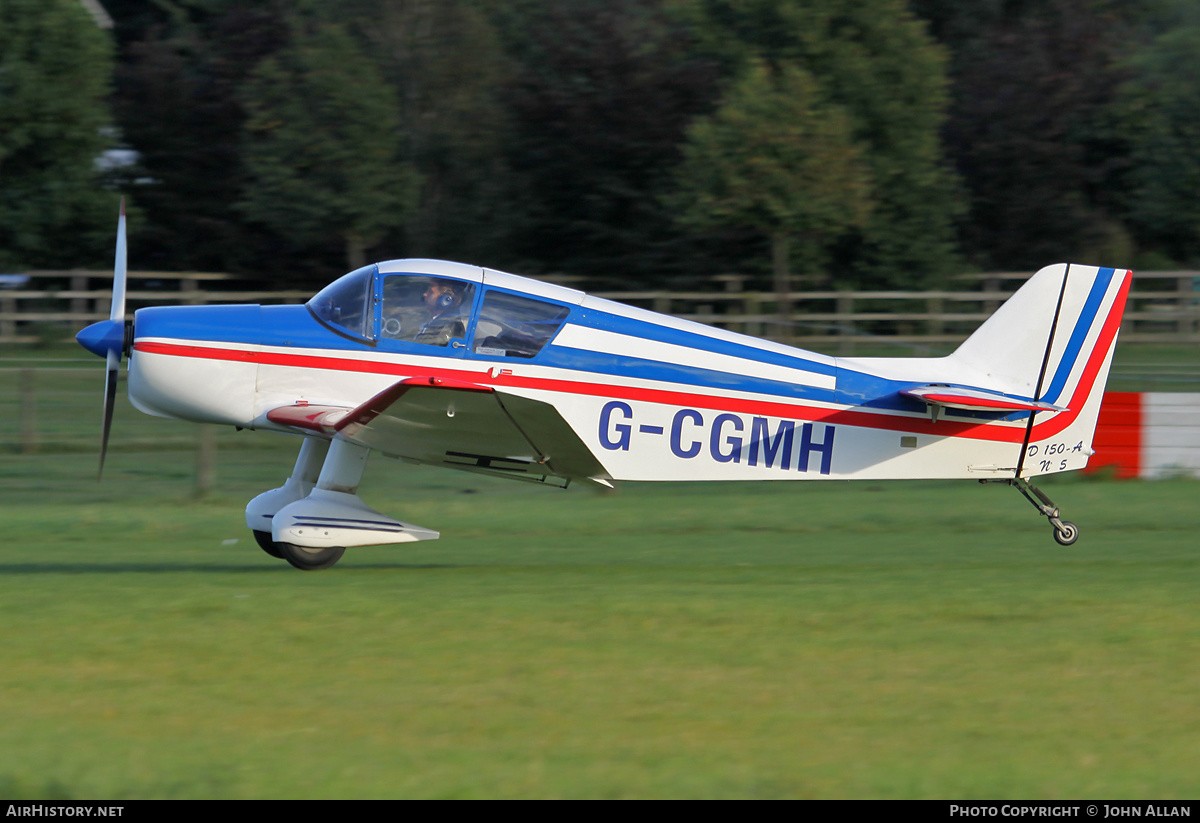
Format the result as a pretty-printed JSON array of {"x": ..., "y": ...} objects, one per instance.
[{"x": 446, "y": 319}]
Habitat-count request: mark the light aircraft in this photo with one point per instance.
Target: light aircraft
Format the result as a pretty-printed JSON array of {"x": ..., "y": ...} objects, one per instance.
[{"x": 452, "y": 365}]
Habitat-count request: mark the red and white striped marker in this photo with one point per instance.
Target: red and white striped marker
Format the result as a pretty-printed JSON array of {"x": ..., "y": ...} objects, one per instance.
[{"x": 1148, "y": 434}]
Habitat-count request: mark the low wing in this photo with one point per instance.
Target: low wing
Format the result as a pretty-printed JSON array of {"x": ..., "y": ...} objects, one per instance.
[{"x": 458, "y": 425}]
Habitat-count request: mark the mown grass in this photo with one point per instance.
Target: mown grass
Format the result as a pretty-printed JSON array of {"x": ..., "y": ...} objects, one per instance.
[
  {"x": 715, "y": 640},
  {"x": 711, "y": 640}
]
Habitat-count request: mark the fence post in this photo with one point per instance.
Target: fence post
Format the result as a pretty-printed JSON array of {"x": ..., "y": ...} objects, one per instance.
[
  {"x": 991, "y": 286},
  {"x": 733, "y": 285},
  {"x": 1186, "y": 288},
  {"x": 752, "y": 307},
  {"x": 8, "y": 326},
  {"x": 190, "y": 290},
  {"x": 79, "y": 283},
  {"x": 206, "y": 460},
  {"x": 845, "y": 308},
  {"x": 27, "y": 388},
  {"x": 936, "y": 308}
]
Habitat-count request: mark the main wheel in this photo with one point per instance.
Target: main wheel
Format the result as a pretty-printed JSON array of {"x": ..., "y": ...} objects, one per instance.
[
  {"x": 267, "y": 544},
  {"x": 310, "y": 560},
  {"x": 1068, "y": 535}
]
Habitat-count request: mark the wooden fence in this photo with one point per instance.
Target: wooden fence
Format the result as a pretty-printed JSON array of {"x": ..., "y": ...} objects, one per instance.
[{"x": 1164, "y": 307}]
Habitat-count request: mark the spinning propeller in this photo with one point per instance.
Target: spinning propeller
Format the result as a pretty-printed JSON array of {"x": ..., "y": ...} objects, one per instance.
[{"x": 107, "y": 338}]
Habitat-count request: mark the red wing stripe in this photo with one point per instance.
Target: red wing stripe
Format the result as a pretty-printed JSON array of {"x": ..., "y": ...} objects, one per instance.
[{"x": 302, "y": 416}]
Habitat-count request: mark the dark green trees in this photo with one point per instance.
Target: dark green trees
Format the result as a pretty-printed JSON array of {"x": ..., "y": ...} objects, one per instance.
[
  {"x": 873, "y": 63},
  {"x": 778, "y": 159},
  {"x": 178, "y": 104},
  {"x": 646, "y": 141},
  {"x": 55, "y": 73},
  {"x": 1160, "y": 111},
  {"x": 600, "y": 95},
  {"x": 322, "y": 146},
  {"x": 1031, "y": 131}
]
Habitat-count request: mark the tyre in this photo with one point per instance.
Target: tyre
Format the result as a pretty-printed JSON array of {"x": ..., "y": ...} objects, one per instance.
[
  {"x": 310, "y": 560},
  {"x": 1068, "y": 534}
]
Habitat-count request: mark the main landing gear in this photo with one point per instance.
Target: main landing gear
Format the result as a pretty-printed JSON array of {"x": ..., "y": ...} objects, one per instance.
[
  {"x": 1065, "y": 532},
  {"x": 313, "y": 517}
]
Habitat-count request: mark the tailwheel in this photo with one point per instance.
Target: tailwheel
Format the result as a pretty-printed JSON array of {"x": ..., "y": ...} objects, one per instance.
[
  {"x": 1066, "y": 532},
  {"x": 310, "y": 560},
  {"x": 267, "y": 544}
]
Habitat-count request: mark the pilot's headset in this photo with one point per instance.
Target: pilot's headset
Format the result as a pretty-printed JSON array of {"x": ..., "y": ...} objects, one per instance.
[{"x": 448, "y": 299}]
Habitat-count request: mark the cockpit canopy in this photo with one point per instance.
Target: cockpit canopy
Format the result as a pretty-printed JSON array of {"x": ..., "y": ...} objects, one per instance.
[{"x": 421, "y": 309}]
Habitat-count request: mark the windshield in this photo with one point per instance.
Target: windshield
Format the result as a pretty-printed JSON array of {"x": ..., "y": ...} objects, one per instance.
[{"x": 343, "y": 303}]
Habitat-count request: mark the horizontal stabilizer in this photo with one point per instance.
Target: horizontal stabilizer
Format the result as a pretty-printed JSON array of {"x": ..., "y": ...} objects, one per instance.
[{"x": 976, "y": 399}]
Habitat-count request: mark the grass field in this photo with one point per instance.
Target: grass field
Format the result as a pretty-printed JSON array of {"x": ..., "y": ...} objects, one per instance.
[
  {"x": 925, "y": 640},
  {"x": 756, "y": 640}
]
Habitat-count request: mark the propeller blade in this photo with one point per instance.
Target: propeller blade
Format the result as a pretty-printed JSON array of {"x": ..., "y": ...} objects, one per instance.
[
  {"x": 117, "y": 312},
  {"x": 113, "y": 339},
  {"x": 113, "y": 360}
]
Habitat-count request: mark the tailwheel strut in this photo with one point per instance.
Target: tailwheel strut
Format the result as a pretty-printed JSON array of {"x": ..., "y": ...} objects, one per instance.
[{"x": 1065, "y": 532}]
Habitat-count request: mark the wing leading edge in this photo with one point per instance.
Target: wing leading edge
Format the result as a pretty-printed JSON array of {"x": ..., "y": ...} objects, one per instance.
[{"x": 458, "y": 425}]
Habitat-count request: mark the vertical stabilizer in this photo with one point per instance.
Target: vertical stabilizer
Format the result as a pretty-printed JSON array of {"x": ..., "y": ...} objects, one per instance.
[{"x": 1053, "y": 342}]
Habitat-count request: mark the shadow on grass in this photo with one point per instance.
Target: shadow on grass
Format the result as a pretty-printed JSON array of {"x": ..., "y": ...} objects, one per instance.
[{"x": 169, "y": 568}]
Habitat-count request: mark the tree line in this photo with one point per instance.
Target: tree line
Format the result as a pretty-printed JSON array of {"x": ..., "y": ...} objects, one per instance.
[{"x": 879, "y": 143}]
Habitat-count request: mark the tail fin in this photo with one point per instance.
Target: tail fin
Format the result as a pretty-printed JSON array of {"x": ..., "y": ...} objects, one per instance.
[{"x": 1053, "y": 342}]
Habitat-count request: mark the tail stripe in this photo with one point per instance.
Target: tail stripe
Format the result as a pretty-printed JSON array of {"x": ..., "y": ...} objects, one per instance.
[
  {"x": 1099, "y": 354},
  {"x": 1087, "y": 319}
]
